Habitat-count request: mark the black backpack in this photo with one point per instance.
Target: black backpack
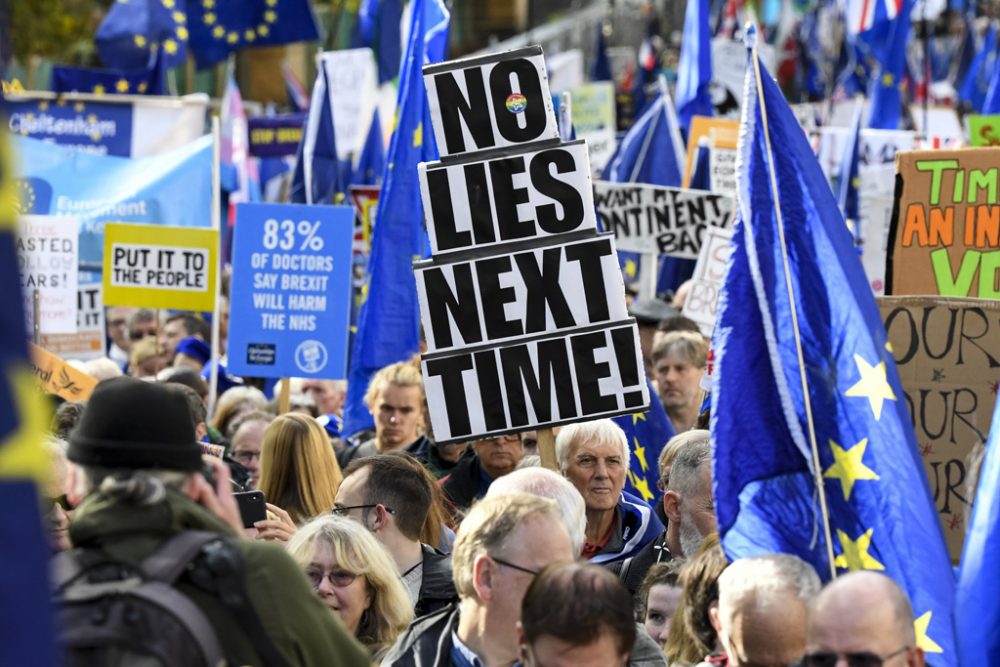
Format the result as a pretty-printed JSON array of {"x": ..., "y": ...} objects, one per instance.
[{"x": 112, "y": 614}]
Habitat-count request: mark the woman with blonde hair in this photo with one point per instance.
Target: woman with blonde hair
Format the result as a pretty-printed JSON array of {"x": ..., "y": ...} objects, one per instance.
[
  {"x": 356, "y": 578},
  {"x": 298, "y": 470}
]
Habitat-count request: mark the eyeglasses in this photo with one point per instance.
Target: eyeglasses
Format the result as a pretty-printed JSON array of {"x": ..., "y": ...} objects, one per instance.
[
  {"x": 860, "y": 659},
  {"x": 62, "y": 501},
  {"x": 139, "y": 335},
  {"x": 342, "y": 510},
  {"x": 246, "y": 457},
  {"x": 500, "y": 561},
  {"x": 508, "y": 439},
  {"x": 116, "y": 323},
  {"x": 337, "y": 578}
]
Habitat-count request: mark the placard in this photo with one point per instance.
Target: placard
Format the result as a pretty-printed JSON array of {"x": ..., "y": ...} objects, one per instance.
[
  {"x": 48, "y": 261},
  {"x": 275, "y": 136},
  {"x": 89, "y": 340},
  {"x": 160, "y": 267},
  {"x": 55, "y": 376},
  {"x": 984, "y": 130},
  {"x": 490, "y": 102},
  {"x": 291, "y": 291},
  {"x": 660, "y": 220},
  {"x": 594, "y": 120},
  {"x": 945, "y": 234},
  {"x": 353, "y": 80},
  {"x": 947, "y": 351},
  {"x": 722, "y": 132},
  {"x": 702, "y": 302},
  {"x": 722, "y": 170}
]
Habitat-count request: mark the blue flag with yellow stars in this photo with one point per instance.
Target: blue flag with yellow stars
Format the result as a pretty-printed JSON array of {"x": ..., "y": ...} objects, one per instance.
[
  {"x": 108, "y": 81},
  {"x": 219, "y": 27},
  {"x": 389, "y": 321},
  {"x": 27, "y": 631},
  {"x": 804, "y": 373},
  {"x": 133, "y": 31},
  {"x": 647, "y": 432},
  {"x": 887, "y": 85}
]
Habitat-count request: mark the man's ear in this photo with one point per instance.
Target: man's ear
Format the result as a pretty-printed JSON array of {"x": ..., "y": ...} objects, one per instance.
[
  {"x": 72, "y": 496},
  {"x": 482, "y": 577},
  {"x": 915, "y": 657},
  {"x": 713, "y": 616},
  {"x": 521, "y": 648},
  {"x": 672, "y": 505}
]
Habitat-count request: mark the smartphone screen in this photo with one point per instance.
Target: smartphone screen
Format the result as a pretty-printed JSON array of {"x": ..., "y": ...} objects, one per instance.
[{"x": 251, "y": 504}]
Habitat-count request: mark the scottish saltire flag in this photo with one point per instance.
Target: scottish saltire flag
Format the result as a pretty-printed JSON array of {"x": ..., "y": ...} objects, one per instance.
[
  {"x": 799, "y": 324},
  {"x": 319, "y": 174},
  {"x": 298, "y": 98},
  {"x": 886, "y": 88},
  {"x": 600, "y": 69},
  {"x": 109, "y": 81},
  {"x": 694, "y": 71},
  {"x": 27, "y": 632},
  {"x": 371, "y": 163},
  {"x": 389, "y": 321},
  {"x": 647, "y": 432},
  {"x": 652, "y": 151},
  {"x": 133, "y": 31},
  {"x": 977, "y": 80},
  {"x": 219, "y": 27},
  {"x": 977, "y": 600},
  {"x": 850, "y": 163}
]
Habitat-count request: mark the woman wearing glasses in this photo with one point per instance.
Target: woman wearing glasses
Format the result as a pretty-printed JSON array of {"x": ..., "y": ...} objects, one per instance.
[{"x": 355, "y": 577}]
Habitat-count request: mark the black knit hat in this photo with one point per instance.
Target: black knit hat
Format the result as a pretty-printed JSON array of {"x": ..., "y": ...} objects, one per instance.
[{"x": 130, "y": 423}]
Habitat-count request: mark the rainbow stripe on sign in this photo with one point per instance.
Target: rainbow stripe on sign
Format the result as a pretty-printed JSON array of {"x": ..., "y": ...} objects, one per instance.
[{"x": 516, "y": 103}]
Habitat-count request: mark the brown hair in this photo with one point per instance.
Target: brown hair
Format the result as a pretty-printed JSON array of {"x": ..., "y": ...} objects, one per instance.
[
  {"x": 298, "y": 470},
  {"x": 660, "y": 574},
  {"x": 397, "y": 481},
  {"x": 692, "y": 636}
]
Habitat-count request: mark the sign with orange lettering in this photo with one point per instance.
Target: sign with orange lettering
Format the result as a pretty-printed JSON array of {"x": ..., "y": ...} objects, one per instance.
[
  {"x": 945, "y": 233},
  {"x": 55, "y": 376}
]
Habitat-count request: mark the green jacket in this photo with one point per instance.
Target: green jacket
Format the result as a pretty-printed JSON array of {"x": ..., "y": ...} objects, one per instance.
[{"x": 298, "y": 623}]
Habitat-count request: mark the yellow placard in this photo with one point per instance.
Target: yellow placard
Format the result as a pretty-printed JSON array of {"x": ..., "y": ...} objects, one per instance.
[
  {"x": 57, "y": 377},
  {"x": 153, "y": 266},
  {"x": 726, "y": 133}
]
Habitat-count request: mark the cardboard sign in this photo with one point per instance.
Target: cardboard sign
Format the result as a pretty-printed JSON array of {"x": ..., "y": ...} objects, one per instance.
[
  {"x": 291, "y": 290},
  {"x": 48, "y": 261},
  {"x": 702, "y": 301},
  {"x": 522, "y": 195},
  {"x": 945, "y": 234},
  {"x": 594, "y": 120},
  {"x": 522, "y": 302},
  {"x": 984, "y": 130},
  {"x": 88, "y": 341},
  {"x": 723, "y": 133},
  {"x": 660, "y": 220},
  {"x": 55, "y": 376},
  {"x": 948, "y": 354},
  {"x": 160, "y": 267},
  {"x": 490, "y": 102}
]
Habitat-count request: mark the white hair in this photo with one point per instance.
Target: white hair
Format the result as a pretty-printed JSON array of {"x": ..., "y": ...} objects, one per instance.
[
  {"x": 547, "y": 483},
  {"x": 602, "y": 430},
  {"x": 762, "y": 579}
]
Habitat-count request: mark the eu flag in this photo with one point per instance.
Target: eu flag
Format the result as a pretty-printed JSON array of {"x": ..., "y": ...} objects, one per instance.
[
  {"x": 600, "y": 69},
  {"x": 798, "y": 325},
  {"x": 694, "y": 71},
  {"x": 977, "y": 601},
  {"x": 134, "y": 30},
  {"x": 389, "y": 321},
  {"x": 100, "y": 81},
  {"x": 319, "y": 175},
  {"x": 886, "y": 93},
  {"x": 219, "y": 27},
  {"x": 991, "y": 104},
  {"x": 647, "y": 432},
  {"x": 652, "y": 151},
  {"x": 378, "y": 29},
  {"x": 371, "y": 164},
  {"x": 977, "y": 79},
  {"x": 27, "y": 631}
]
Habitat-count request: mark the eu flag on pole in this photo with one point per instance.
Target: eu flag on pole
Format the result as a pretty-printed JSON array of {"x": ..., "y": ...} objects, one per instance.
[
  {"x": 219, "y": 27},
  {"x": 652, "y": 151},
  {"x": 798, "y": 323},
  {"x": 600, "y": 69},
  {"x": 646, "y": 432},
  {"x": 319, "y": 175},
  {"x": 389, "y": 321},
  {"x": 694, "y": 71},
  {"x": 886, "y": 93},
  {"x": 371, "y": 164},
  {"x": 132, "y": 32},
  {"x": 27, "y": 632},
  {"x": 100, "y": 81},
  {"x": 977, "y": 600},
  {"x": 977, "y": 79}
]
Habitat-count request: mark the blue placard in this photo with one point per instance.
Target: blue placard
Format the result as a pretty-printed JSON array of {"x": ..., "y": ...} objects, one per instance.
[
  {"x": 290, "y": 300},
  {"x": 104, "y": 128}
]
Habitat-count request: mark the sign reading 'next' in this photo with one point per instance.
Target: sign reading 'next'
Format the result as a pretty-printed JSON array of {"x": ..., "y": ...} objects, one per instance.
[{"x": 522, "y": 301}]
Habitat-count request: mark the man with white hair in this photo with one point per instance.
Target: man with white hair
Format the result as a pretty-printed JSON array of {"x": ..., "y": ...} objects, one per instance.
[
  {"x": 548, "y": 484},
  {"x": 594, "y": 456},
  {"x": 761, "y": 616}
]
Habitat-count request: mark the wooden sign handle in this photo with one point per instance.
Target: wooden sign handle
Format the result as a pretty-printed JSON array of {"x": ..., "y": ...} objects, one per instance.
[
  {"x": 547, "y": 448},
  {"x": 285, "y": 397}
]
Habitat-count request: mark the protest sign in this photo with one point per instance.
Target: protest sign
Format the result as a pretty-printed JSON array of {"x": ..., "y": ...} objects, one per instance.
[
  {"x": 701, "y": 304},
  {"x": 594, "y": 120},
  {"x": 47, "y": 264},
  {"x": 565, "y": 70},
  {"x": 722, "y": 133},
  {"x": 490, "y": 102},
  {"x": 722, "y": 170},
  {"x": 945, "y": 233},
  {"x": 352, "y": 81},
  {"x": 984, "y": 130},
  {"x": 108, "y": 125},
  {"x": 729, "y": 61},
  {"x": 365, "y": 200},
  {"x": 660, "y": 220},
  {"x": 160, "y": 267},
  {"x": 943, "y": 130},
  {"x": 291, "y": 290},
  {"x": 522, "y": 301},
  {"x": 55, "y": 376},
  {"x": 172, "y": 189},
  {"x": 89, "y": 339},
  {"x": 275, "y": 136},
  {"x": 947, "y": 351}
]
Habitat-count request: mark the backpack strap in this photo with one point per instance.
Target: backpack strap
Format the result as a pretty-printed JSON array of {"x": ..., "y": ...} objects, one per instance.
[
  {"x": 168, "y": 562},
  {"x": 189, "y": 615}
]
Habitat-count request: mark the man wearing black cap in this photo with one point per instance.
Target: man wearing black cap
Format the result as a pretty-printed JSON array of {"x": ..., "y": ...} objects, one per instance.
[{"x": 136, "y": 474}]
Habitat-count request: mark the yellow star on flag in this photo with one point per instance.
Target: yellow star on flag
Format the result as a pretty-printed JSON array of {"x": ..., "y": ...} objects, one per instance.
[
  {"x": 43, "y": 106},
  {"x": 182, "y": 33},
  {"x": 122, "y": 86},
  {"x": 141, "y": 87},
  {"x": 270, "y": 16},
  {"x": 848, "y": 466},
  {"x": 272, "y": 3},
  {"x": 638, "y": 417},
  {"x": 854, "y": 553},
  {"x": 78, "y": 107},
  {"x": 98, "y": 89},
  {"x": 640, "y": 453},
  {"x": 249, "y": 35},
  {"x": 169, "y": 4},
  {"x": 263, "y": 30},
  {"x": 139, "y": 41},
  {"x": 218, "y": 32},
  {"x": 642, "y": 486},
  {"x": 208, "y": 4},
  {"x": 179, "y": 17},
  {"x": 418, "y": 136},
  {"x": 872, "y": 385},
  {"x": 630, "y": 268},
  {"x": 208, "y": 18},
  {"x": 170, "y": 46},
  {"x": 887, "y": 79},
  {"x": 232, "y": 38},
  {"x": 923, "y": 641}
]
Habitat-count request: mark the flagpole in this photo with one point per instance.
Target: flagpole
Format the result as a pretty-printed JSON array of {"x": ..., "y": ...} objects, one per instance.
[
  {"x": 795, "y": 319},
  {"x": 213, "y": 376}
]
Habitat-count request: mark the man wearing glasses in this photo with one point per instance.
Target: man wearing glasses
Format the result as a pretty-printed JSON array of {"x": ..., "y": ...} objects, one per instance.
[
  {"x": 504, "y": 542},
  {"x": 862, "y": 619},
  {"x": 484, "y": 461}
]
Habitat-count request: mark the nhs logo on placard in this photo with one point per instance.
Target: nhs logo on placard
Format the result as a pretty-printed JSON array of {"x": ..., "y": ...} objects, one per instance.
[{"x": 96, "y": 127}]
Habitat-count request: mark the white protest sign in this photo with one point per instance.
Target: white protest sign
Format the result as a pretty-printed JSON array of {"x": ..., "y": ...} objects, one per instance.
[
  {"x": 48, "y": 261},
  {"x": 944, "y": 129},
  {"x": 88, "y": 341},
  {"x": 722, "y": 170},
  {"x": 521, "y": 195},
  {"x": 729, "y": 62},
  {"x": 594, "y": 120},
  {"x": 709, "y": 273},
  {"x": 565, "y": 70},
  {"x": 660, "y": 220},
  {"x": 484, "y": 103},
  {"x": 353, "y": 82}
]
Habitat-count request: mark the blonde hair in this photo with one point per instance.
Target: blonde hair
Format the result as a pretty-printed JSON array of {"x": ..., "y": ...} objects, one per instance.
[
  {"x": 298, "y": 470},
  {"x": 357, "y": 551},
  {"x": 234, "y": 402},
  {"x": 688, "y": 345},
  {"x": 400, "y": 374},
  {"x": 488, "y": 526},
  {"x": 674, "y": 447}
]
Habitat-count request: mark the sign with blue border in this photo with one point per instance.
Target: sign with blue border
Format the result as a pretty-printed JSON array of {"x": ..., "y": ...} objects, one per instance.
[{"x": 291, "y": 291}]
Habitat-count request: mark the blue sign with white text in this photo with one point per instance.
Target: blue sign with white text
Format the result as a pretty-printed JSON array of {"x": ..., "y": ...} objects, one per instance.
[
  {"x": 291, "y": 293},
  {"x": 104, "y": 128}
]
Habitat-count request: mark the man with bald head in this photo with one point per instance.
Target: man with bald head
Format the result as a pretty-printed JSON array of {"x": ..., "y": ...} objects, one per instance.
[{"x": 862, "y": 619}]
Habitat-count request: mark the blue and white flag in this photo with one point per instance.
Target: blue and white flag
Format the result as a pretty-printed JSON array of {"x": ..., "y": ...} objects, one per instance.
[
  {"x": 319, "y": 175},
  {"x": 694, "y": 71}
]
